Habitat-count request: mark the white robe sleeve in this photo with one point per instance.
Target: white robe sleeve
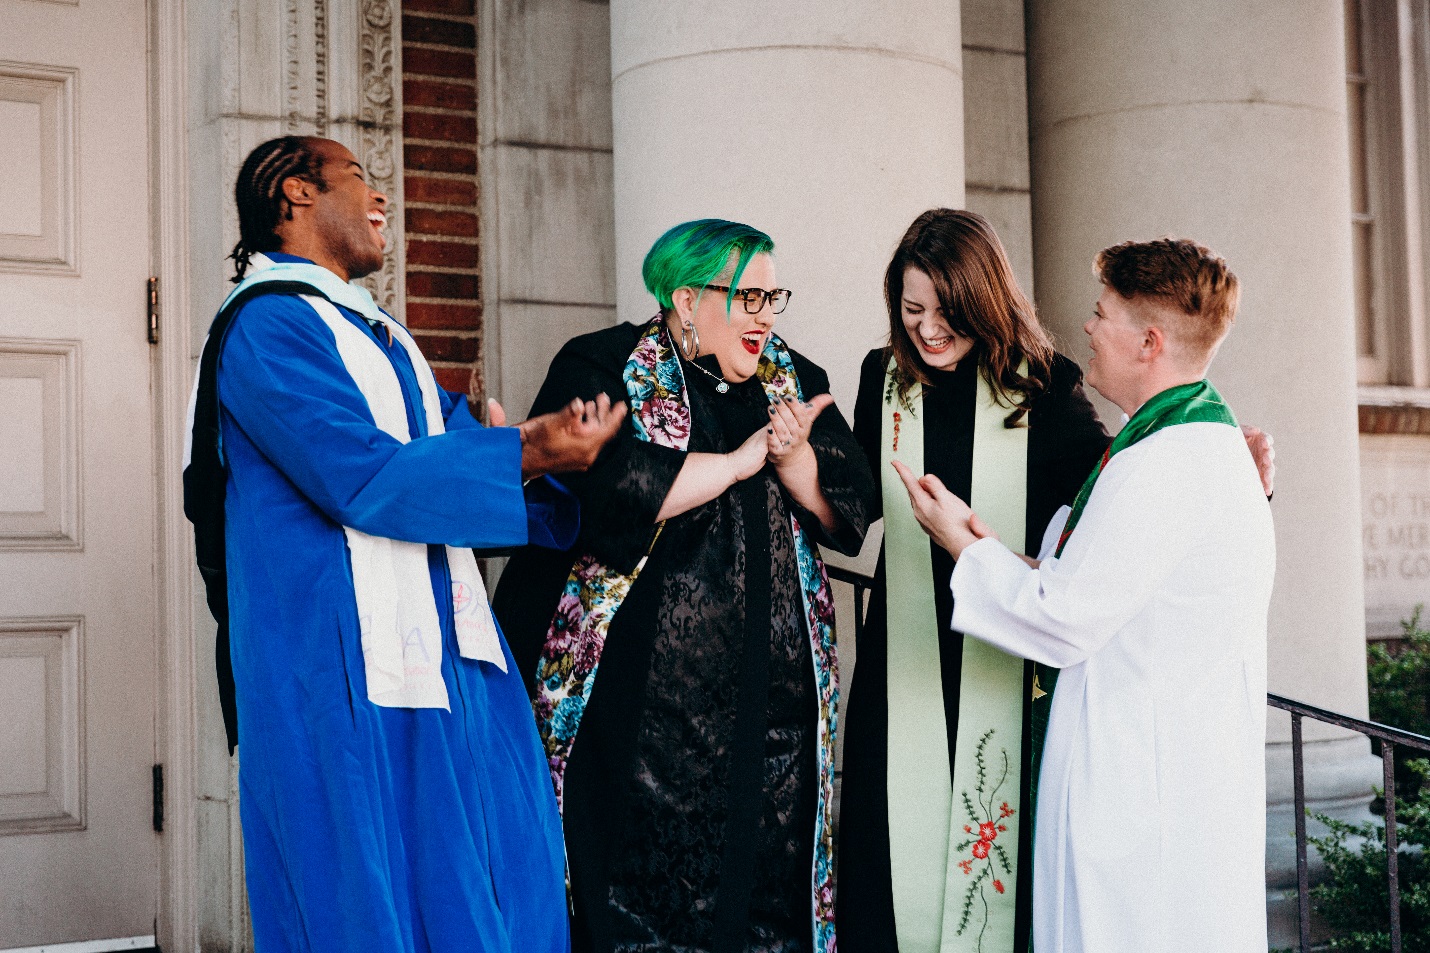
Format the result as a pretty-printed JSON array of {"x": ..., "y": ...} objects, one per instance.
[
  {"x": 1054, "y": 532},
  {"x": 1137, "y": 526}
]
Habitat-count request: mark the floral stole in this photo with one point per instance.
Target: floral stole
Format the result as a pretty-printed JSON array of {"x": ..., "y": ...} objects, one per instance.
[{"x": 566, "y": 672}]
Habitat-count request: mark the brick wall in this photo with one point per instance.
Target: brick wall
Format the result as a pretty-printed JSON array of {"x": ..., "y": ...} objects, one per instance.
[{"x": 439, "y": 123}]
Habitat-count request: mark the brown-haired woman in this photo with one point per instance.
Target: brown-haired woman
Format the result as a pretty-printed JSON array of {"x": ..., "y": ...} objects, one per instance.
[{"x": 941, "y": 734}]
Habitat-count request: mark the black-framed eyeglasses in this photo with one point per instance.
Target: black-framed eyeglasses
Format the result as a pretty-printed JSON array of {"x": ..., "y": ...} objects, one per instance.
[{"x": 755, "y": 298}]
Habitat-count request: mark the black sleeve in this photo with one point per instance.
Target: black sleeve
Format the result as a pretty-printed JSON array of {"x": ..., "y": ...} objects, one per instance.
[
  {"x": 843, "y": 470},
  {"x": 1076, "y": 437},
  {"x": 623, "y": 491},
  {"x": 869, "y": 418}
]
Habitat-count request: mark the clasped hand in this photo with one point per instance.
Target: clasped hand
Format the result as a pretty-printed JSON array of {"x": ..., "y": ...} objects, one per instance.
[
  {"x": 565, "y": 440},
  {"x": 784, "y": 442}
]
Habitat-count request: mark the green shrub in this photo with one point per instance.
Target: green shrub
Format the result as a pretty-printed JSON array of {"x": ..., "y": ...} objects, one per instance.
[
  {"x": 1354, "y": 899},
  {"x": 1400, "y": 681}
]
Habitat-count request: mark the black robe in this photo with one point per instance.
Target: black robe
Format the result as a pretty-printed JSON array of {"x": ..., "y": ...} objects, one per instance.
[
  {"x": 1065, "y": 441},
  {"x": 680, "y": 735}
]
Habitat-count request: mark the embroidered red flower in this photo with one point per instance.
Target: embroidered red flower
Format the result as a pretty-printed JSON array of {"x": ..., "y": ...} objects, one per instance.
[
  {"x": 998, "y": 885},
  {"x": 966, "y": 866},
  {"x": 980, "y": 850},
  {"x": 1002, "y": 827},
  {"x": 988, "y": 830},
  {"x": 967, "y": 829},
  {"x": 1005, "y": 811}
]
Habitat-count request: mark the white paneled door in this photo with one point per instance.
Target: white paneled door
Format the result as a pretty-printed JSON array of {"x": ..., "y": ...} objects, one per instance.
[{"x": 78, "y": 850}]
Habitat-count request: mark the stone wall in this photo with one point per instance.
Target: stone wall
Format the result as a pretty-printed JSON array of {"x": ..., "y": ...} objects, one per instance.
[
  {"x": 548, "y": 271},
  {"x": 439, "y": 124}
]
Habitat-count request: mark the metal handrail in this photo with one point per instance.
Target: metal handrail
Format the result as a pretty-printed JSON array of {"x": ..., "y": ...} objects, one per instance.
[{"x": 1387, "y": 735}]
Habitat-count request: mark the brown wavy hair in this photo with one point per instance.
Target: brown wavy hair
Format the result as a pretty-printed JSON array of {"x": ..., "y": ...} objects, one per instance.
[{"x": 980, "y": 299}]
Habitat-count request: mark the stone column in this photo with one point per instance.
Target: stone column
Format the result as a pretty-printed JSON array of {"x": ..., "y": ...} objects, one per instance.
[
  {"x": 548, "y": 256},
  {"x": 1224, "y": 120},
  {"x": 829, "y": 125}
]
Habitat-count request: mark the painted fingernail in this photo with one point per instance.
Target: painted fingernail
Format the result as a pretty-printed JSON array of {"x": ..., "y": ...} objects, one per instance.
[
  {"x": 769, "y": 430},
  {"x": 771, "y": 410}
]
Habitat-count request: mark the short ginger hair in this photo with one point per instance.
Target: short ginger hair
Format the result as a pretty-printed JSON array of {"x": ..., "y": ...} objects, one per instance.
[{"x": 1189, "y": 278}]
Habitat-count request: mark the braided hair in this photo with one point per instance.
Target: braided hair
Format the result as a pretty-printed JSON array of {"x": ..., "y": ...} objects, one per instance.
[{"x": 259, "y": 193}]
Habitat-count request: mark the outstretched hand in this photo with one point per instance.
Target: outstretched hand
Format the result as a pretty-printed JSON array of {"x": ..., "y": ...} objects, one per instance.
[
  {"x": 944, "y": 516},
  {"x": 565, "y": 440}
]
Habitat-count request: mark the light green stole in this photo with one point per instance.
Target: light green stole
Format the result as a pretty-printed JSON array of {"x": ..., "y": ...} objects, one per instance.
[{"x": 953, "y": 840}]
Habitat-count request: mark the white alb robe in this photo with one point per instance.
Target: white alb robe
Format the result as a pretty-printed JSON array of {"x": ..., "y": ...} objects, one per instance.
[{"x": 1151, "y": 801}]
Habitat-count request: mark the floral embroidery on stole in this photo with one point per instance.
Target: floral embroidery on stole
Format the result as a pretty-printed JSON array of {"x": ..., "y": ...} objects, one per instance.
[{"x": 566, "y": 671}]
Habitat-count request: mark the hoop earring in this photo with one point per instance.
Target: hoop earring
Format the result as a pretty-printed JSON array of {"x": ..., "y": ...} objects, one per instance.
[{"x": 686, "y": 348}]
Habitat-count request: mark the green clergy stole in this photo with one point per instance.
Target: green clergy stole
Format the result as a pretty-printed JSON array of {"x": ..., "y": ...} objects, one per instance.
[
  {"x": 953, "y": 838},
  {"x": 1194, "y": 403}
]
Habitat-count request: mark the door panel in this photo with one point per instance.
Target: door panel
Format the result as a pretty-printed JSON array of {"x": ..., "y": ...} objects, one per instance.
[{"x": 78, "y": 854}]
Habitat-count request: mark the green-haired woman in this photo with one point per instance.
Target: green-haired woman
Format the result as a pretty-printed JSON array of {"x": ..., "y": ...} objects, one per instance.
[{"x": 696, "y": 772}]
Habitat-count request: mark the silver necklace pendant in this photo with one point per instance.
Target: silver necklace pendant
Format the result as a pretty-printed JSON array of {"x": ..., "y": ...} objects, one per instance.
[{"x": 720, "y": 386}]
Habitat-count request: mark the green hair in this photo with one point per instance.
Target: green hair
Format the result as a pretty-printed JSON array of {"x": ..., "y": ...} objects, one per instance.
[{"x": 693, "y": 254}]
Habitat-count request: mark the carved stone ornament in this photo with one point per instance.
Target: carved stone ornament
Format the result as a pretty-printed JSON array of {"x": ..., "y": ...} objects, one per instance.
[
  {"x": 379, "y": 122},
  {"x": 312, "y": 106}
]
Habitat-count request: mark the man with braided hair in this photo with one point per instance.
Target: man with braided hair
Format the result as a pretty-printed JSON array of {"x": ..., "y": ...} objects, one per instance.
[{"x": 393, "y": 792}]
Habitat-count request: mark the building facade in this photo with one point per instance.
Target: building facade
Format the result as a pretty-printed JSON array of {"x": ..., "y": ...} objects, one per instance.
[{"x": 533, "y": 150}]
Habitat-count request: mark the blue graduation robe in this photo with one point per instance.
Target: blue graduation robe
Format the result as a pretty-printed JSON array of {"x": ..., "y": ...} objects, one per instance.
[{"x": 368, "y": 828}]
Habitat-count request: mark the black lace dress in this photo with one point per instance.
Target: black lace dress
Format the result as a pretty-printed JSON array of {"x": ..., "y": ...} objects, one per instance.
[{"x": 690, "y": 794}]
